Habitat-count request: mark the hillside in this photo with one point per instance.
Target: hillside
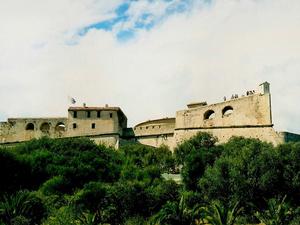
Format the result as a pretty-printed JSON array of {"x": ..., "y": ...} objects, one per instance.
[{"x": 74, "y": 181}]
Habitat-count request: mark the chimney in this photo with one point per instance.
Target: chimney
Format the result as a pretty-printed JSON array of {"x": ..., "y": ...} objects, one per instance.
[
  {"x": 84, "y": 105},
  {"x": 264, "y": 88}
]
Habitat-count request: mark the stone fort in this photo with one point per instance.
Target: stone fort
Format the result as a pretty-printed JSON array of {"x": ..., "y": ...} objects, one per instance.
[{"x": 249, "y": 116}]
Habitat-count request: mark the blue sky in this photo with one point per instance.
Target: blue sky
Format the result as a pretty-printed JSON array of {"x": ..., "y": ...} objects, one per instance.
[{"x": 146, "y": 20}]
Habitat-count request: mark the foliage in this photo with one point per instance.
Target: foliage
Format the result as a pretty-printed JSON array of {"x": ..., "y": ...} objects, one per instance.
[
  {"x": 70, "y": 163},
  {"x": 195, "y": 155},
  {"x": 289, "y": 158},
  {"x": 200, "y": 140},
  {"x": 62, "y": 216},
  {"x": 15, "y": 174},
  {"x": 143, "y": 156},
  {"x": 246, "y": 171},
  {"x": 219, "y": 214},
  {"x": 277, "y": 213},
  {"x": 138, "y": 220},
  {"x": 174, "y": 213},
  {"x": 75, "y": 181},
  {"x": 23, "y": 207}
]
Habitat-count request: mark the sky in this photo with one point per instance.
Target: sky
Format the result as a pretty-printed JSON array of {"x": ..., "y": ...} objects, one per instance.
[{"x": 149, "y": 57}]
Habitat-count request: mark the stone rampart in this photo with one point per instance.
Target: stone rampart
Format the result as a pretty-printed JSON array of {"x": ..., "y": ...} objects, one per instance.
[
  {"x": 249, "y": 116},
  {"x": 155, "y": 132},
  {"x": 102, "y": 124},
  {"x": 155, "y": 127},
  {"x": 23, "y": 129},
  {"x": 254, "y": 110}
]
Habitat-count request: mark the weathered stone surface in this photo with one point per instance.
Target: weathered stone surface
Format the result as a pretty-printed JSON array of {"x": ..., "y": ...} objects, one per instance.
[
  {"x": 102, "y": 124},
  {"x": 247, "y": 116}
]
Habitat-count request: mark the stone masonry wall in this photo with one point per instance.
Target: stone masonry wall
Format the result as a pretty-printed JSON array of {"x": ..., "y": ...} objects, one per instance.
[
  {"x": 250, "y": 110},
  {"x": 248, "y": 116},
  {"x": 23, "y": 129}
]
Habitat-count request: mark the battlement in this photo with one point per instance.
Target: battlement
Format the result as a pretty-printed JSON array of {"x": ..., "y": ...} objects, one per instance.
[
  {"x": 103, "y": 124},
  {"x": 248, "y": 115},
  {"x": 155, "y": 127},
  {"x": 251, "y": 110}
]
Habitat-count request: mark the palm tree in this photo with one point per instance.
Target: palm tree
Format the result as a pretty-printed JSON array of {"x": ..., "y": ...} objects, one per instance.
[
  {"x": 23, "y": 207},
  {"x": 174, "y": 213},
  {"x": 88, "y": 219},
  {"x": 15, "y": 206},
  {"x": 218, "y": 214},
  {"x": 278, "y": 213}
]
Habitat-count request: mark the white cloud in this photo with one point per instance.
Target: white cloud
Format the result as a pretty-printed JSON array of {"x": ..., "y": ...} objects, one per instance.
[
  {"x": 211, "y": 51},
  {"x": 32, "y": 24},
  {"x": 137, "y": 9}
]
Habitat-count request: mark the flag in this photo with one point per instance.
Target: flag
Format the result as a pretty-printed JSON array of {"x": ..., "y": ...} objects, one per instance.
[{"x": 72, "y": 100}]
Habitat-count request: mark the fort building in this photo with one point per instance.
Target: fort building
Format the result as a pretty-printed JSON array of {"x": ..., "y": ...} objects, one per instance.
[
  {"x": 249, "y": 115},
  {"x": 101, "y": 124}
]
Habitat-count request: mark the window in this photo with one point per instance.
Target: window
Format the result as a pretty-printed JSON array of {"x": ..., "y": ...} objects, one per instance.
[
  {"x": 29, "y": 126},
  {"x": 228, "y": 110},
  {"x": 75, "y": 114},
  {"x": 45, "y": 127},
  {"x": 74, "y": 125},
  {"x": 88, "y": 114},
  {"x": 98, "y": 114},
  {"x": 210, "y": 114},
  {"x": 60, "y": 127},
  {"x": 110, "y": 115},
  {"x": 93, "y": 125}
]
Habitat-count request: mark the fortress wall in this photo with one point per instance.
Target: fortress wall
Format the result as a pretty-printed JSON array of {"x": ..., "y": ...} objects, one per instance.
[
  {"x": 157, "y": 140},
  {"x": 155, "y": 132},
  {"x": 107, "y": 140},
  {"x": 267, "y": 134},
  {"x": 122, "y": 122},
  {"x": 247, "y": 116},
  {"x": 23, "y": 129},
  {"x": 249, "y": 110},
  {"x": 155, "y": 127},
  {"x": 103, "y": 128}
]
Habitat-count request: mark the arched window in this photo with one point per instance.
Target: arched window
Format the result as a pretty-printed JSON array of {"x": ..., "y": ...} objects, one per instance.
[
  {"x": 45, "y": 127},
  {"x": 29, "y": 126},
  {"x": 60, "y": 127},
  {"x": 210, "y": 114},
  {"x": 228, "y": 110}
]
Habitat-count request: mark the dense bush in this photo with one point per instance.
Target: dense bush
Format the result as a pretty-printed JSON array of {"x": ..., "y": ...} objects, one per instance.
[
  {"x": 69, "y": 163},
  {"x": 15, "y": 174},
  {"x": 75, "y": 181},
  {"x": 22, "y": 208},
  {"x": 195, "y": 155}
]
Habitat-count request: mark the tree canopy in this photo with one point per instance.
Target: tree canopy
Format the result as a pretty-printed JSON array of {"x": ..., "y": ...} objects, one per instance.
[{"x": 75, "y": 181}]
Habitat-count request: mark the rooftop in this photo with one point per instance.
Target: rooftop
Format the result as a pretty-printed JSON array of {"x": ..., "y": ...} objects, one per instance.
[
  {"x": 85, "y": 108},
  {"x": 97, "y": 108},
  {"x": 157, "y": 121}
]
